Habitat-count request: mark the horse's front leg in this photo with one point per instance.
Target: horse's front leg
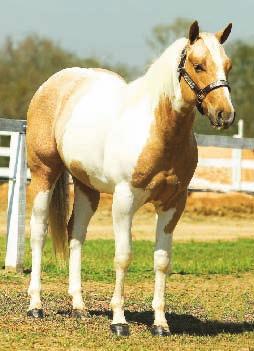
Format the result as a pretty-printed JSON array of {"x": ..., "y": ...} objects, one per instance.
[
  {"x": 166, "y": 223},
  {"x": 122, "y": 211}
]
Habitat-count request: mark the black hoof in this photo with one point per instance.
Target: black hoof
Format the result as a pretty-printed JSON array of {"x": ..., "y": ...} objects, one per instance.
[
  {"x": 36, "y": 313},
  {"x": 79, "y": 314},
  {"x": 120, "y": 329},
  {"x": 160, "y": 331}
]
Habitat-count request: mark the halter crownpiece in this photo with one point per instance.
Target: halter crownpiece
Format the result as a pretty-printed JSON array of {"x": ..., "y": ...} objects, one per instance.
[{"x": 200, "y": 93}]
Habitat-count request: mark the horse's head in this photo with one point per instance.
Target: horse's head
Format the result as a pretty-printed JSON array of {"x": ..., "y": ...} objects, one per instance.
[{"x": 203, "y": 70}]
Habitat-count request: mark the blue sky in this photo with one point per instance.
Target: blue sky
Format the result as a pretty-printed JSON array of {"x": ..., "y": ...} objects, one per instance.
[{"x": 116, "y": 30}]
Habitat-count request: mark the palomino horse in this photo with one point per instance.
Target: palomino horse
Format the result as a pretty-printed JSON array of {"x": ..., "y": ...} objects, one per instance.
[{"x": 134, "y": 141}]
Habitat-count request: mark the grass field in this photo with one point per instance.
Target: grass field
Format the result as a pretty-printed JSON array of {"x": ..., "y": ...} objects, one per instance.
[{"x": 210, "y": 300}]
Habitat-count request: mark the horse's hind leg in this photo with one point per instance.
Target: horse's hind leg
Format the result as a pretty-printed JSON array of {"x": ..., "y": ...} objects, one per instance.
[
  {"x": 85, "y": 204},
  {"x": 42, "y": 187}
]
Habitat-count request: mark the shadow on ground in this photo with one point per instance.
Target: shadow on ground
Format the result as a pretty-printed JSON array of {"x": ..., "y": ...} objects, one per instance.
[{"x": 184, "y": 323}]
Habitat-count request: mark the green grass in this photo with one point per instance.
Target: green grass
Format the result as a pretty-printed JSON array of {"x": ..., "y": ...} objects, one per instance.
[{"x": 188, "y": 258}]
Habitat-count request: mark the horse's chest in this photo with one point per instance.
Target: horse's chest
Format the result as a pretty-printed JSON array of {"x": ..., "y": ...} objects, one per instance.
[
  {"x": 163, "y": 186},
  {"x": 164, "y": 178}
]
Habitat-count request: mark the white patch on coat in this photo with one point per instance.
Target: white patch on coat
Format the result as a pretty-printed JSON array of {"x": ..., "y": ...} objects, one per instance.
[
  {"x": 108, "y": 130},
  {"x": 87, "y": 129},
  {"x": 110, "y": 125}
]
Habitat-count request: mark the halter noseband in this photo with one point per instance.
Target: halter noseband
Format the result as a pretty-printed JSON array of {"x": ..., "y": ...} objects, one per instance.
[{"x": 200, "y": 93}]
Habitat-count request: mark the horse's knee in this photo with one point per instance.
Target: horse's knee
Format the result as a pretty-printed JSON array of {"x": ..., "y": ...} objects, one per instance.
[
  {"x": 77, "y": 242},
  {"x": 122, "y": 261},
  {"x": 161, "y": 261}
]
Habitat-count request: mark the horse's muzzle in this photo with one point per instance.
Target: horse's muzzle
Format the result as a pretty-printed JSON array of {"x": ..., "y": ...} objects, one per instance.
[{"x": 223, "y": 120}]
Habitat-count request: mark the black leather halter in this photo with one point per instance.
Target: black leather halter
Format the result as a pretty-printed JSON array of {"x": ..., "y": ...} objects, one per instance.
[{"x": 200, "y": 93}]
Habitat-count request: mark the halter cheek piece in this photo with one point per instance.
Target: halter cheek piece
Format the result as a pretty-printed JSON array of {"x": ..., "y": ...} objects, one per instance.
[{"x": 200, "y": 93}]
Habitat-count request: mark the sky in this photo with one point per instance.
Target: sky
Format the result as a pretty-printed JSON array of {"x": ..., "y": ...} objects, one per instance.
[{"x": 116, "y": 30}]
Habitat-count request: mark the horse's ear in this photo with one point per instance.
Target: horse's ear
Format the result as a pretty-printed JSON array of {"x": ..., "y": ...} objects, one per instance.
[
  {"x": 223, "y": 34},
  {"x": 194, "y": 32}
]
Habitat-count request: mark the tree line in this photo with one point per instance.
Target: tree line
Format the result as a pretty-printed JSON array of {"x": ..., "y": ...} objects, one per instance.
[{"x": 24, "y": 66}]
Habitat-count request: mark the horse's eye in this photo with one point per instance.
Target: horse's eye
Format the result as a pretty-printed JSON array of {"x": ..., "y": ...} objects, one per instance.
[{"x": 199, "y": 68}]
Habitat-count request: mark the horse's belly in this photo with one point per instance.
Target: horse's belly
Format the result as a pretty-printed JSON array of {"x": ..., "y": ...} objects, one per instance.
[{"x": 83, "y": 156}]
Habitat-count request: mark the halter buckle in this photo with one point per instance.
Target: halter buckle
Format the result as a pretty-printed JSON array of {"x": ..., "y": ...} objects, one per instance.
[{"x": 200, "y": 96}]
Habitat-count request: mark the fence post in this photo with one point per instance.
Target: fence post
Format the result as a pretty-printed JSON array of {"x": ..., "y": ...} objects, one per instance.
[
  {"x": 237, "y": 160},
  {"x": 16, "y": 204}
]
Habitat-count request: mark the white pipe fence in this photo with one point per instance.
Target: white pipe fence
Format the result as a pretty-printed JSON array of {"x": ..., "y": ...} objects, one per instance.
[{"x": 17, "y": 175}]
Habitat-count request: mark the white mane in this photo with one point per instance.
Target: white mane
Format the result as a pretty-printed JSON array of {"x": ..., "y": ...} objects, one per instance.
[{"x": 162, "y": 77}]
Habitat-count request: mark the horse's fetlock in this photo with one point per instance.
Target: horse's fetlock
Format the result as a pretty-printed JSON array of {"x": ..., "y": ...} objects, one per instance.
[
  {"x": 161, "y": 261},
  {"x": 117, "y": 302},
  {"x": 158, "y": 304}
]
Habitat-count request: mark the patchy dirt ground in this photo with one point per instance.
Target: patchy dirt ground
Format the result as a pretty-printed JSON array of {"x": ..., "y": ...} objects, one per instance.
[{"x": 204, "y": 313}]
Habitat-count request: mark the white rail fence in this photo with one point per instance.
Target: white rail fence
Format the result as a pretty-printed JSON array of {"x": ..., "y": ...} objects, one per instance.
[
  {"x": 17, "y": 176},
  {"x": 236, "y": 164}
]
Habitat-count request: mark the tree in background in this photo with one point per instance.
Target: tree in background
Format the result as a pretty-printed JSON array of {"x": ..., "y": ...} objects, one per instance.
[
  {"x": 165, "y": 34},
  {"x": 242, "y": 83},
  {"x": 25, "y": 66}
]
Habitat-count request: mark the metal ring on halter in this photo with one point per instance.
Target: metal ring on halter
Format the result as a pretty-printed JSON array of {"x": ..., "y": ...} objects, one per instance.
[{"x": 200, "y": 93}]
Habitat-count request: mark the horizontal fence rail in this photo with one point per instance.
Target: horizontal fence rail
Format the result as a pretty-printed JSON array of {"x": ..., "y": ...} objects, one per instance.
[
  {"x": 12, "y": 125},
  {"x": 225, "y": 141}
]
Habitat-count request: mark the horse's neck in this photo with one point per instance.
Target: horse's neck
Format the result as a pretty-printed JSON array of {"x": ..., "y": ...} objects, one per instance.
[
  {"x": 168, "y": 116},
  {"x": 162, "y": 76},
  {"x": 172, "y": 127},
  {"x": 173, "y": 117}
]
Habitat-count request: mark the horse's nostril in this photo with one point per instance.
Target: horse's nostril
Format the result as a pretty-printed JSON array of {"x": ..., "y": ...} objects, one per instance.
[
  {"x": 220, "y": 118},
  {"x": 226, "y": 119},
  {"x": 220, "y": 114},
  {"x": 230, "y": 119}
]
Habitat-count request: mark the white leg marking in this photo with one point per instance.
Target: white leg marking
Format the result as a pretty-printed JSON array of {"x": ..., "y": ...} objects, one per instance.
[
  {"x": 38, "y": 224},
  {"x": 82, "y": 215},
  {"x": 124, "y": 206},
  {"x": 162, "y": 262}
]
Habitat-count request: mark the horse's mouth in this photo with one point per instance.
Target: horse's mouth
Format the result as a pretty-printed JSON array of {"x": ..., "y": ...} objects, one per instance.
[
  {"x": 215, "y": 125},
  {"x": 218, "y": 123}
]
